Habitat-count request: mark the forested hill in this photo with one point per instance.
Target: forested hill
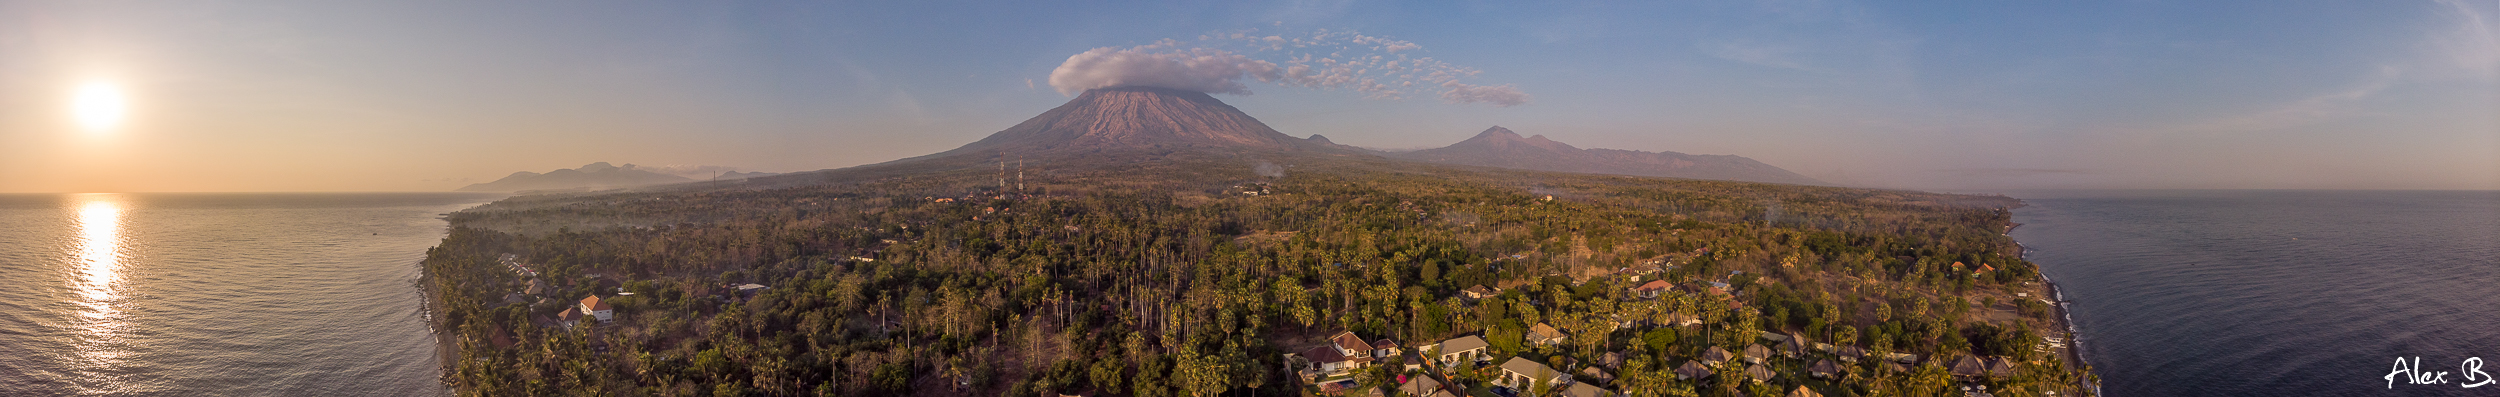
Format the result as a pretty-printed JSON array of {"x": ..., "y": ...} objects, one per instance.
[
  {"x": 1499, "y": 147},
  {"x": 1195, "y": 272}
]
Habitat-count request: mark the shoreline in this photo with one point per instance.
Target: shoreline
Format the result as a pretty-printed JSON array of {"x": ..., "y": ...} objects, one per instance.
[
  {"x": 2065, "y": 320},
  {"x": 446, "y": 351},
  {"x": 2085, "y": 379}
]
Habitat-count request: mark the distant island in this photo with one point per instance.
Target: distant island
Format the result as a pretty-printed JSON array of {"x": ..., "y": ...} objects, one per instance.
[
  {"x": 1154, "y": 242},
  {"x": 595, "y": 176}
]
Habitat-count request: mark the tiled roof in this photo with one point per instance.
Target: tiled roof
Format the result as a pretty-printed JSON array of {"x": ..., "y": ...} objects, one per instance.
[
  {"x": 1323, "y": 354},
  {"x": 1464, "y": 343},
  {"x": 1347, "y": 340},
  {"x": 1530, "y": 368}
]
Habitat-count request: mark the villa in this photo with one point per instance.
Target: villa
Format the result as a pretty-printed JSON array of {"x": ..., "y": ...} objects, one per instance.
[
  {"x": 597, "y": 309},
  {"x": 1523, "y": 374},
  {"x": 1465, "y": 349}
]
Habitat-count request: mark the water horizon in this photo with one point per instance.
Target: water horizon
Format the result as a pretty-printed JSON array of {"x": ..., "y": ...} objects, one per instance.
[
  {"x": 2271, "y": 292},
  {"x": 219, "y": 293}
]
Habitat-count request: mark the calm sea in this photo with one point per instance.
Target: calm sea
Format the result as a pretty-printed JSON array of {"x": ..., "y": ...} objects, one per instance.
[
  {"x": 218, "y": 294},
  {"x": 2275, "y": 293}
]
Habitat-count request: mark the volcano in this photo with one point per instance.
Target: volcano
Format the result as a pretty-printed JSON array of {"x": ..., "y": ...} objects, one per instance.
[
  {"x": 1500, "y": 147},
  {"x": 1137, "y": 118},
  {"x": 1131, "y": 131}
]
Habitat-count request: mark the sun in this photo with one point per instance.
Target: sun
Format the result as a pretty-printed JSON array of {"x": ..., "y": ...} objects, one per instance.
[{"x": 99, "y": 106}]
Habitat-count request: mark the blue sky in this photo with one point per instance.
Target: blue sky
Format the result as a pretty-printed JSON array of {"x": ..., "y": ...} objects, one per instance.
[{"x": 1962, "y": 96}]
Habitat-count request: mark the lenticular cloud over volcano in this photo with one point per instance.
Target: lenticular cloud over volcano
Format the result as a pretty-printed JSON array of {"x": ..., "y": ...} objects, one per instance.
[
  {"x": 1223, "y": 63},
  {"x": 1196, "y": 69}
]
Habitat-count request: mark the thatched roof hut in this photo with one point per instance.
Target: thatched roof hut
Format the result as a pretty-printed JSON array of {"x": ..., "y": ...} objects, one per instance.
[
  {"x": 1759, "y": 373},
  {"x": 1595, "y": 375},
  {"x": 1825, "y": 369},
  {"x": 1755, "y": 352},
  {"x": 1692, "y": 370},
  {"x": 1999, "y": 367},
  {"x": 1802, "y": 391},
  {"x": 1967, "y": 366},
  {"x": 1714, "y": 356}
]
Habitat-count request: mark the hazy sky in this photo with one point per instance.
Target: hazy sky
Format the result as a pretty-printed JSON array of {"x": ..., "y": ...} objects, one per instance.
[{"x": 1965, "y": 96}]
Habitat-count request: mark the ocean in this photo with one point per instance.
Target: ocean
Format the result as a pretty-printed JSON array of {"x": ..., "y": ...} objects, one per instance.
[
  {"x": 2276, "y": 293},
  {"x": 218, "y": 294}
]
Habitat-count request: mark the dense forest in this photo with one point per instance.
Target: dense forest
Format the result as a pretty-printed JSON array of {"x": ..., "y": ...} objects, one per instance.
[{"x": 1194, "y": 274}]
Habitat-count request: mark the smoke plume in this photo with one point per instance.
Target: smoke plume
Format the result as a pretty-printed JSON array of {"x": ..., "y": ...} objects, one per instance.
[
  {"x": 1267, "y": 169},
  {"x": 1223, "y": 63}
]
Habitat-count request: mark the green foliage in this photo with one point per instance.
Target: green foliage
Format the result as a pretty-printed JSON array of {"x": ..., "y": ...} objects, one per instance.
[
  {"x": 892, "y": 378},
  {"x": 1137, "y": 281},
  {"x": 1659, "y": 339}
]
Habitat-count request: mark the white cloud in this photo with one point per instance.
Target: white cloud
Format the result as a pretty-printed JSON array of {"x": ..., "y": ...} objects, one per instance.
[
  {"x": 1499, "y": 95},
  {"x": 1327, "y": 60},
  {"x": 1196, "y": 69}
]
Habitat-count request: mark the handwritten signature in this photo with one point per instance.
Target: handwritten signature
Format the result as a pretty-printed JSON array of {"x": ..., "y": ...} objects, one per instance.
[{"x": 2413, "y": 373}]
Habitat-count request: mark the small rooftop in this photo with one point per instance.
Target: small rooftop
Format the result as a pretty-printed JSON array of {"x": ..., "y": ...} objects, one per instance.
[
  {"x": 1347, "y": 340},
  {"x": 1463, "y": 343},
  {"x": 1524, "y": 366}
]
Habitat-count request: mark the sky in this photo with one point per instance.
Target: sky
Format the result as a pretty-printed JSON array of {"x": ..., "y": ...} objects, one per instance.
[{"x": 1967, "y": 96}]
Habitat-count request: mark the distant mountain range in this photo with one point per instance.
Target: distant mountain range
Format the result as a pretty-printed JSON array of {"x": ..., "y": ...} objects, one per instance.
[
  {"x": 1499, "y": 147},
  {"x": 595, "y": 176},
  {"x": 1125, "y": 127}
]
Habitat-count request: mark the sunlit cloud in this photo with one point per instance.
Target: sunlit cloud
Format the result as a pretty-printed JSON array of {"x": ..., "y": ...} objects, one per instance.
[{"x": 1225, "y": 62}]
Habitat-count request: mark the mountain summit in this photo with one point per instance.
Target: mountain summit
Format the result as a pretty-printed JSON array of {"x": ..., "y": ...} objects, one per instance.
[
  {"x": 1118, "y": 118},
  {"x": 1499, "y": 147}
]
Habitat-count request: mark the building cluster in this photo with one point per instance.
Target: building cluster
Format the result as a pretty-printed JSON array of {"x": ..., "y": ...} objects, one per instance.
[
  {"x": 1433, "y": 369},
  {"x": 535, "y": 289}
]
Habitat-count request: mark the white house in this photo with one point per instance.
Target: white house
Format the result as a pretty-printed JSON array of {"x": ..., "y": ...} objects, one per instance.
[
  {"x": 1466, "y": 349},
  {"x": 597, "y": 309},
  {"x": 1351, "y": 346},
  {"x": 1344, "y": 352},
  {"x": 1385, "y": 348},
  {"x": 1522, "y": 374}
]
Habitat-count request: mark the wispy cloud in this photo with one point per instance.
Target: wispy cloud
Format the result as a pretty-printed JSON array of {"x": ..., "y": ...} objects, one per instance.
[
  {"x": 2470, "y": 42},
  {"x": 2310, "y": 110},
  {"x": 1772, "y": 55},
  {"x": 1830, "y": 38}
]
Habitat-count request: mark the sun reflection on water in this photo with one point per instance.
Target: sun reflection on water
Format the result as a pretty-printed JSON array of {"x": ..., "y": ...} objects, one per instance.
[{"x": 99, "y": 262}]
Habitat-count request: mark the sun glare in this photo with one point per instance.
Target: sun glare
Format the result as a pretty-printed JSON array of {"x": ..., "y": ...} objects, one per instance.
[{"x": 100, "y": 106}]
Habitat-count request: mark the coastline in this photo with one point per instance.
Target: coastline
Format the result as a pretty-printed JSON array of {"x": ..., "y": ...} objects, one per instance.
[
  {"x": 446, "y": 352},
  {"x": 2086, "y": 378}
]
